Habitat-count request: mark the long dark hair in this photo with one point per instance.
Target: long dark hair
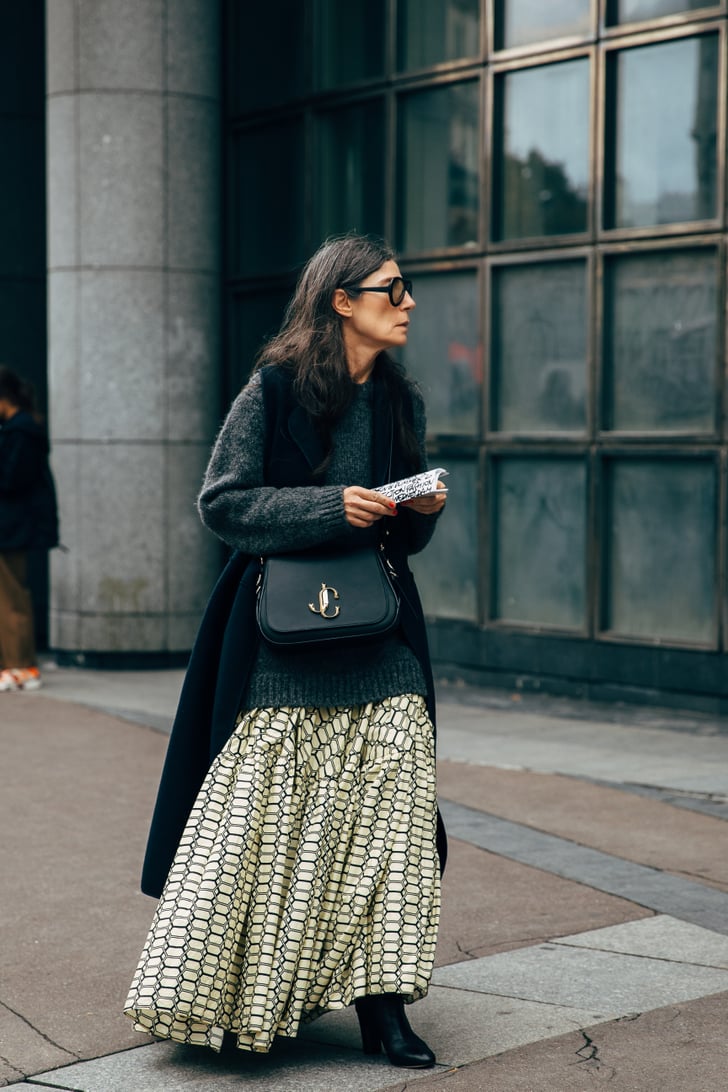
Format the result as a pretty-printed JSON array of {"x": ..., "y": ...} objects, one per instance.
[
  {"x": 310, "y": 342},
  {"x": 15, "y": 390}
]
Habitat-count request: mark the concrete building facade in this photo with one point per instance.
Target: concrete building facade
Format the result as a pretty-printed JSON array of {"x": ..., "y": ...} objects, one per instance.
[{"x": 554, "y": 179}]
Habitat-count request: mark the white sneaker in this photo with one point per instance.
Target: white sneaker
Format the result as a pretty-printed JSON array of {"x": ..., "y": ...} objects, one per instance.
[{"x": 20, "y": 678}]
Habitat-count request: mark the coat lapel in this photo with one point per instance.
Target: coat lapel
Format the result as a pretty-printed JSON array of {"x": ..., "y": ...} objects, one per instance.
[{"x": 305, "y": 436}]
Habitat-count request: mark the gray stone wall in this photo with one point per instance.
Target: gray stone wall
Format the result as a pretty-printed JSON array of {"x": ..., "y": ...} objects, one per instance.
[{"x": 133, "y": 162}]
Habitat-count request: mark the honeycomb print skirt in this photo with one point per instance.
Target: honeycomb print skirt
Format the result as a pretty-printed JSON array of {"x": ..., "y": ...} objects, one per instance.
[{"x": 307, "y": 876}]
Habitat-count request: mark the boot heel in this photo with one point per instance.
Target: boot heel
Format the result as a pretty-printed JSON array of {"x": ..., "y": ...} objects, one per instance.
[
  {"x": 384, "y": 1024},
  {"x": 371, "y": 1040}
]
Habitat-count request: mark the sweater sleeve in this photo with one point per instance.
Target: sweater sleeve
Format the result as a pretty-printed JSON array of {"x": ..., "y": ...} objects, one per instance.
[
  {"x": 420, "y": 527},
  {"x": 250, "y": 516}
]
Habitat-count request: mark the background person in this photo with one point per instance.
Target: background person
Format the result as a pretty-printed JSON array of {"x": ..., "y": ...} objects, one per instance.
[
  {"x": 28, "y": 521},
  {"x": 307, "y": 876}
]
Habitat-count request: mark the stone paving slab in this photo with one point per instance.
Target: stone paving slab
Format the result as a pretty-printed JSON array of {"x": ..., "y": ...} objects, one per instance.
[
  {"x": 648, "y": 887},
  {"x": 681, "y": 1048},
  {"x": 620, "y": 753},
  {"x": 637, "y": 828},
  {"x": 462, "y": 1026},
  {"x": 167, "y": 1067},
  {"x": 147, "y": 697},
  {"x": 19, "y": 1040},
  {"x": 76, "y": 791},
  {"x": 585, "y": 978},
  {"x": 710, "y": 804},
  {"x": 491, "y": 904},
  {"x": 661, "y": 937},
  {"x": 77, "y": 920}
]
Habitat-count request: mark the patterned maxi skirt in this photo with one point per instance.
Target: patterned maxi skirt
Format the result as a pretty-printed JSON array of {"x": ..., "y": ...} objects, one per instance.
[{"x": 307, "y": 876}]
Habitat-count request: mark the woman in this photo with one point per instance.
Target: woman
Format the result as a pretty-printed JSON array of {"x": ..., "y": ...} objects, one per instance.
[
  {"x": 307, "y": 874},
  {"x": 28, "y": 521}
]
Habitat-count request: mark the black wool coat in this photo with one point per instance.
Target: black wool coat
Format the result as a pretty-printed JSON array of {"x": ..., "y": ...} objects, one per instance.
[
  {"x": 226, "y": 642},
  {"x": 28, "y": 510}
]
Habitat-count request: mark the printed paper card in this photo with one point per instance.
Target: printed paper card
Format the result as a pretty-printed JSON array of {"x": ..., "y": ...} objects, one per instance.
[{"x": 417, "y": 486}]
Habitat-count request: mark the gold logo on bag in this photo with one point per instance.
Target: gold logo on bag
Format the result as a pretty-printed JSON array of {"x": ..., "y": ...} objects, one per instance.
[{"x": 325, "y": 602}]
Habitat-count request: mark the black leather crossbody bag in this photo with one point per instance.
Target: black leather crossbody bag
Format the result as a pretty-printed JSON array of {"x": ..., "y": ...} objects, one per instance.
[
  {"x": 310, "y": 599},
  {"x": 319, "y": 596}
]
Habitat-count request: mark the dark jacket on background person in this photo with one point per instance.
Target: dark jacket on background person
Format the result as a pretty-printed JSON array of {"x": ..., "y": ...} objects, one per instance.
[
  {"x": 28, "y": 510},
  {"x": 226, "y": 643}
]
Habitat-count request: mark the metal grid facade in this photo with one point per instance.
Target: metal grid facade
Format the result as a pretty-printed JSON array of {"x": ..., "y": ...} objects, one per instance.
[{"x": 553, "y": 177}]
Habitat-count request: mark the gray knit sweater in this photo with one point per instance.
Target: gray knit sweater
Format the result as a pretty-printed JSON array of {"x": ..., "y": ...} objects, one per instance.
[{"x": 258, "y": 520}]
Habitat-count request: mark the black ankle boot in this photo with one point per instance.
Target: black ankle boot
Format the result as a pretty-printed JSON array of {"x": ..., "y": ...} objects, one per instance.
[{"x": 383, "y": 1024}]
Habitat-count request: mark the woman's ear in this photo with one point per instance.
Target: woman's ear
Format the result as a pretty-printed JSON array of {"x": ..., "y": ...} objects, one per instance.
[{"x": 341, "y": 303}]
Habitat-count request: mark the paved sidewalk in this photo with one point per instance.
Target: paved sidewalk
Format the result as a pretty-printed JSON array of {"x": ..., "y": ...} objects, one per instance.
[{"x": 585, "y": 922}]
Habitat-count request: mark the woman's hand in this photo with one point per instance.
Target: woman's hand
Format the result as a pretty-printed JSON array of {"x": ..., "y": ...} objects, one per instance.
[
  {"x": 430, "y": 504},
  {"x": 363, "y": 507}
]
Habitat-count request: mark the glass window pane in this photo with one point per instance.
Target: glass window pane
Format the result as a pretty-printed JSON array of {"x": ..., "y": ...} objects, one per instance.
[
  {"x": 632, "y": 11},
  {"x": 255, "y": 318},
  {"x": 521, "y": 22},
  {"x": 23, "y": 330},
  {"x": 432, "y": 31},
  {"x": 444, "y": 352},
  {"x": 438, "y": 175},
  {"x": 661, "y": 549},
  {"x": 22, "y": 208},
  {"x": 269, "y": 174},
  {"x": 665, "y": 133},
  {"x": 539, "y": 347},
  {"x": 352, "y": 42},
  {"x": 447, "y": 570},
  {"x": 542, "y": 167},
  {"x": 22, "y": 61},
  {"x": 266, "y": 77},
  {"x": 350, "y": 188},
  {"x": 540, "y": 532},
  {"x": 661, "y": 334}
]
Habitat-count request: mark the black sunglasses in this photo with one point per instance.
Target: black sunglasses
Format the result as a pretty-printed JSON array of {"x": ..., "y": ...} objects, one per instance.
[{"x": 397, "y": 289}]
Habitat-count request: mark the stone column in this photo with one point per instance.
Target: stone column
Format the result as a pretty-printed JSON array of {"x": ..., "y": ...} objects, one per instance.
[{"x": 133, "y": 122}]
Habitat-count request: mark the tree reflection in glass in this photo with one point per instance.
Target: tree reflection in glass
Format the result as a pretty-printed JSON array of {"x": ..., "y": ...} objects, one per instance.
[
  {"x": 542, "y": 171},
  {"x": 665, "y": 152}
]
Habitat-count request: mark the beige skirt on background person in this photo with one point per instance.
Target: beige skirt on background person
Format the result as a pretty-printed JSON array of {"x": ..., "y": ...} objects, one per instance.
[{"x": 307, "y": 876}]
